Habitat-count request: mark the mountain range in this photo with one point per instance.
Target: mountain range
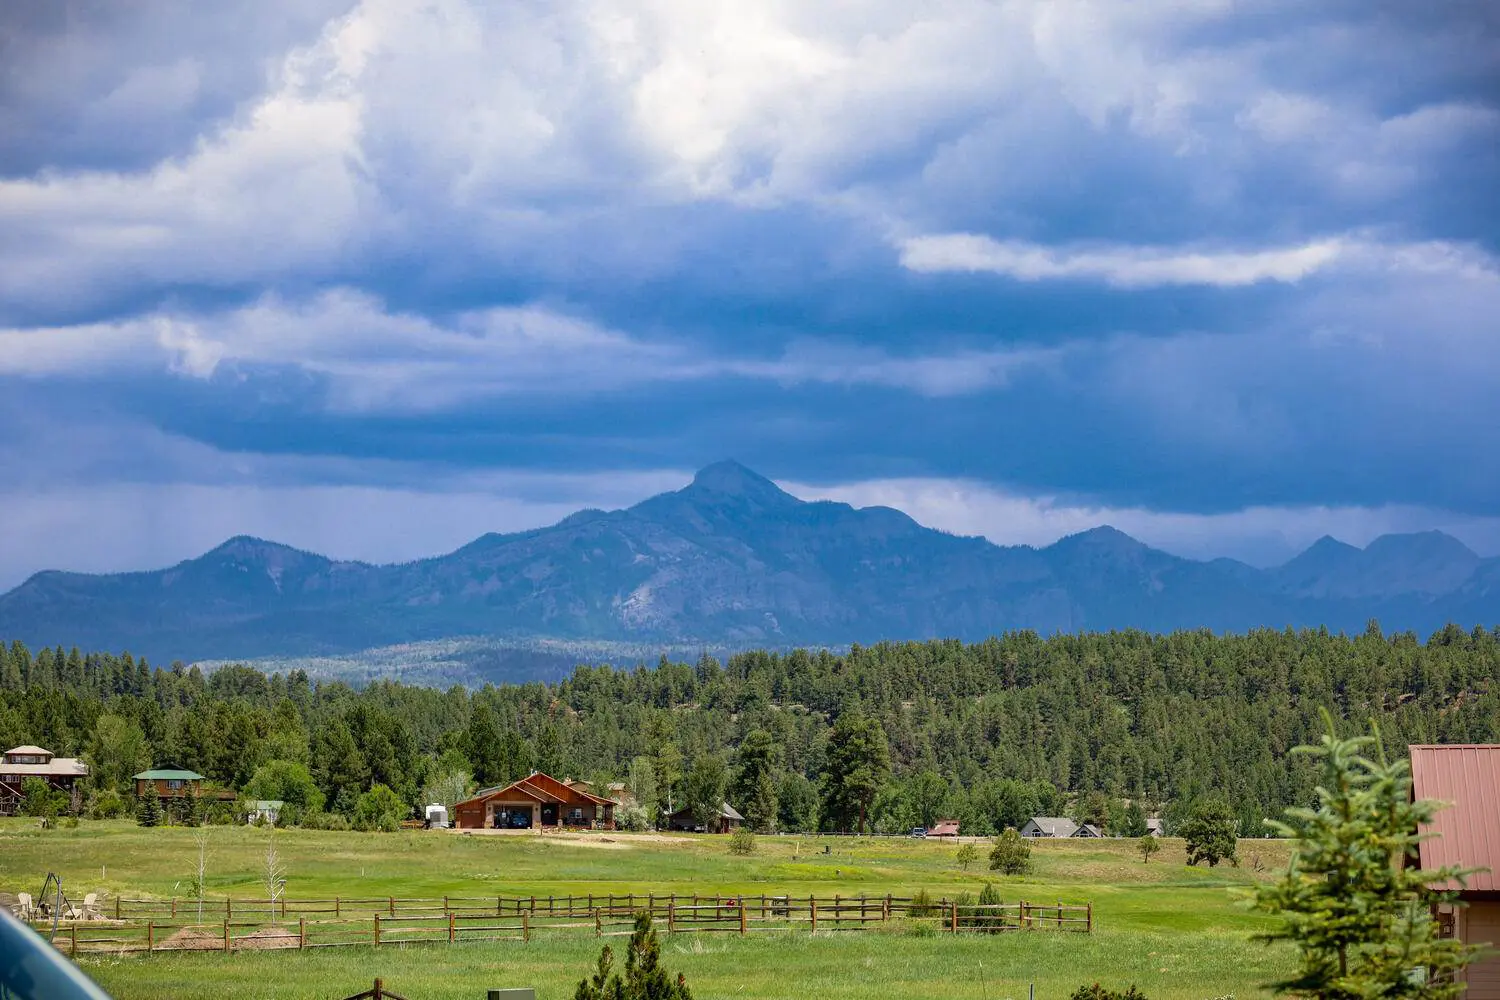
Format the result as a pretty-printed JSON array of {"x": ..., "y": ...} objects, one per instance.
[{"x": 733, "y": 561}]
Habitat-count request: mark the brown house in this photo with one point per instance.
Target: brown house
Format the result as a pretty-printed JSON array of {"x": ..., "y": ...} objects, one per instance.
[
  {"x": 168, "y": 783},
  {"x": 536, "y": 801},
  {"x": 728, "y": 821},
  {"x": 20, "y": 763},
  {"x": 1466, "y": 835}
]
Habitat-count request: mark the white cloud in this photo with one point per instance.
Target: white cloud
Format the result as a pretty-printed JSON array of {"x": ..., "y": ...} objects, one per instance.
[
  {"x": 1259, "y": 535},
  {"x": 1118, "y": 266}
]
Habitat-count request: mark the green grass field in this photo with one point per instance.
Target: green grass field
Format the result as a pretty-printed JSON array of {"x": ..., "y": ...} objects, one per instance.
[{"x": 1179, "y": 933}]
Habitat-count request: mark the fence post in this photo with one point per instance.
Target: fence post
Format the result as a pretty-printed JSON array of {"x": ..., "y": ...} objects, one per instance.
[
  {"x": 1090, "y": 926},
  {"x": 445, "y": 904},
  {"x": 671, "y": 918},
  {"x": 392, "y": 903},
  {"x": 450, "y": 928},
  {"x": 226, "y": 935},
  {"x": 301, "y": 933},
  {"x": 1059, "y": 914},
  {"x": 228, "y": 907},
  {"x": 117, "y": 907},
  {"x": 377, "y": 930},
  {"x": 73, "y": 940},
  {"x": 174, "y": 907},
  {"x": 283, "y": 907},
  {"x": 812, "y": 909},
  {"x": 150, "y": 935},
  {"x": 953, "y": 915},
  {"x": 338, "y": 907},
  {"x": 378, "y": 993},
  {"x": 743, "y": 927},
  {"x": 525, "y": 926}
]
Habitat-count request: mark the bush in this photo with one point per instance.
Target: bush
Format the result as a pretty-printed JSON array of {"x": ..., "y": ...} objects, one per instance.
[
  {"x": 1147, "y": 845},
  {"x": 1012, "y": 855},
  {"x": 632, "y": 818},
  {"x": 742, "y": 841},
  {"x": 325, "y": 821},
  {"x": 379, "y": 809},
  {"x": 967, "y": 855},
  {"x": 107, "y": 805},
  {"x": 39, "y": 799},
  {"x": 920, "y": 905},
  {"x": 1097, "y": 992}
]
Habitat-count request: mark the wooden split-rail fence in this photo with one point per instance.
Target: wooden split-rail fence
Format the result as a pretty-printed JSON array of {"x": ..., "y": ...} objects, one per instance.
[{"x": 172, "y": 925}]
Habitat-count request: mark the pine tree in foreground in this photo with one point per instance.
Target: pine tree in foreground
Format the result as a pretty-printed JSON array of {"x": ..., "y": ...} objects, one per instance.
[
  {"x": 1360, "y": 917},
  {"x": 644, "y": 978}
]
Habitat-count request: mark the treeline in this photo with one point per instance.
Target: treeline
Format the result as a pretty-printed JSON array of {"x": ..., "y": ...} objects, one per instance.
[{"x": 1103, "y": 727}]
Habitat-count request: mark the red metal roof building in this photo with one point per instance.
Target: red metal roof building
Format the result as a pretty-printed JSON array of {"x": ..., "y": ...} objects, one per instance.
[{"x": 1466, "y": 834}]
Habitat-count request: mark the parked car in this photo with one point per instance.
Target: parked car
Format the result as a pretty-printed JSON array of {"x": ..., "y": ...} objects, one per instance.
[{"x": 919, "y": 831}]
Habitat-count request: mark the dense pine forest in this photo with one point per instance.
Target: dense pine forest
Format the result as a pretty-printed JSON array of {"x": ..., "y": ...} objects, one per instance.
[{"x": 1105, "y": 727}]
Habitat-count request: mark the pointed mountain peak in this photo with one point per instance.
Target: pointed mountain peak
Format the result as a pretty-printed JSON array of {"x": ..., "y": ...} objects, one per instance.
[
  {"x": 730, "y": 478},
  {"x": 1106, "y": 536}
]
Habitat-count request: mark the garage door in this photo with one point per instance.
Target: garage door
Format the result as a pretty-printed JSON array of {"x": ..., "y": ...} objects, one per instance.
[{"x": 1482, "y": 923}]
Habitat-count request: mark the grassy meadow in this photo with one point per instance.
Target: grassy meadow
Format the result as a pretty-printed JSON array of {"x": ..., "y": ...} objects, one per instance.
[{"x": 1179, "y": 933}]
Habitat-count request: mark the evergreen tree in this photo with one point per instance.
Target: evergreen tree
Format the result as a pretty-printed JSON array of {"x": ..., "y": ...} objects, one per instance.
[
  {"x": 644, "y": 979},
  {"x": 1360, "y": 916},
  {"x": 148, "y": 811},
  {"x": 858, "y": 762},
  {"x": 753, "y": 790}
]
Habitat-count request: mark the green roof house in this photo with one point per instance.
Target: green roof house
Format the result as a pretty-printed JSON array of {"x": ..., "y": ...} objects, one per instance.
[{"x": 168, "y": 783}]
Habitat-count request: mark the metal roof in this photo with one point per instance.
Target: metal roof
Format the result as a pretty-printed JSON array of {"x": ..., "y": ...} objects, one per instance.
[
  {"x": 1055, "y": 826},
  {"x": 29, "y": 751},
  {"x": 1466, "y": 834},
  {"x": 168, "y": 774}
]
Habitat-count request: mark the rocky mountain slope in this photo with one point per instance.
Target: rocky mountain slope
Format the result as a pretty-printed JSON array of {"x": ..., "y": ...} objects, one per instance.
[{"x": 732, "y": 560}]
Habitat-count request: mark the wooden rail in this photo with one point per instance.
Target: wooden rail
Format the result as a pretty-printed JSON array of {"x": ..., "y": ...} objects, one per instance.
[{"x": 154, "y": 926}]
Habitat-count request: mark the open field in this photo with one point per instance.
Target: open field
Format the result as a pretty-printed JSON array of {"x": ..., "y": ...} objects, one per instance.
[{"x": 1179, "y": 933}]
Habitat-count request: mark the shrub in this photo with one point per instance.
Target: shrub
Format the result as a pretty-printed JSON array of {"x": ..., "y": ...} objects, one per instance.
[
  {"x": 632, "y": 818},
  {"x": 920, "y": 905},
  {"x": 644, "y": 978},
  {"x": 1097, "y": 992},
  {"x": 742, "y": 841},
  {"x": 966, "y": 856},
  {"x": 325, "y": 821},
  {"x": 1011, "y": 855},
  {"x": 1147, "y": 845},
  {"x": 38, "y": 799},
  {"x": 379, "y": 809},
  {"x": 107, "y": 805}
]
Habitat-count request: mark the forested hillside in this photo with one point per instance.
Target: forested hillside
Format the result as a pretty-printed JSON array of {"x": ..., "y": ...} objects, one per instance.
[{"x": 989, "y": 732}]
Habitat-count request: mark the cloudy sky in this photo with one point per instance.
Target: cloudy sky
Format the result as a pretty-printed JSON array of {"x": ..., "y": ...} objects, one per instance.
[{"x": 374, "y": 277}]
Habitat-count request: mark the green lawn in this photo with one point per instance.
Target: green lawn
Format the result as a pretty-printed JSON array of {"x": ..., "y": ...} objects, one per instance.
[{"x": 1177, "y": 932}]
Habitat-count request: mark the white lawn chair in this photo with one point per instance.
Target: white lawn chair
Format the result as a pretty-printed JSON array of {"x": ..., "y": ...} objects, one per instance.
[
  {"x": 90, "y": 908},
  {"x": 25, "y": 908}
]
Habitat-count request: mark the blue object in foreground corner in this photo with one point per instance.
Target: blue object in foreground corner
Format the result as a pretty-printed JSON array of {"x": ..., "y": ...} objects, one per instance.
[{"x": 31, "y": 969}]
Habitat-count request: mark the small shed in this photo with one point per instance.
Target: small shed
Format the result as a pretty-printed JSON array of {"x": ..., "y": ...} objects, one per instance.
[
  {"x": 1048, "y": 826},
  {"x": 944, "y": 828},
  {"x": 264, "y": 811},
  {"x": 1465, "y": 835}
]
